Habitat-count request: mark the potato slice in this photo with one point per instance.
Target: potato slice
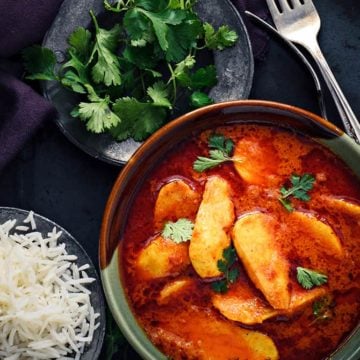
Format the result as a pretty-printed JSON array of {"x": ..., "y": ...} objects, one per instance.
[
  {"x": 213, "y": 220},
  {"x": 171, "y": 289},
  {"x": 252, "y": 167},
  {"x": 162, "y": 257},
  {"x": 175, "y": 200},
  {"x": 301, "y": 297},
  {"x": 255, "y": 243},
  {"x": 242, "y": 304},
  {"x": 215, "y": 339},
  {"x": 320, "y": 233},
  {"x": 342, "y": 205}
]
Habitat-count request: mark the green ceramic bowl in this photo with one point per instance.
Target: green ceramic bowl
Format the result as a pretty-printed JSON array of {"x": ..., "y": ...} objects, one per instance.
[{"x": 154, "y": 149}]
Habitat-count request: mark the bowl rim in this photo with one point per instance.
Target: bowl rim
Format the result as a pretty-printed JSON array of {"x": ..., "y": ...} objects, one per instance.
[{"x": 124, "y": 174}]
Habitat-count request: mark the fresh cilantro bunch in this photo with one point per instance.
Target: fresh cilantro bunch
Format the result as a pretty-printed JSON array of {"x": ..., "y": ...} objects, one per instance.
[{"x": 117, "y": 73}]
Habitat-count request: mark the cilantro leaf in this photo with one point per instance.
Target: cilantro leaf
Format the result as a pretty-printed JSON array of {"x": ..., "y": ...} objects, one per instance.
[
  {"x": 229, "y": 254},
  {"x": 138, "y": 119},
  {"x": 220, "y": 286},
  {"x": 220, "y": 39},
  {"x": 221, "y": 152},
  {"x": 299, "y": 190},
  {"x": 97, "y": 114},
  {"x": 183, "y": 38},
  {"x": 151, "y": 5},
  {"x": 309, "y": 278},
  {"x": 179, "y": 231},
  {"x": 184, "y": 65},
  {"x": 40, "y": 63},
  {"x": 216, "y": 158},
  {"x": 160, "y": 22},
  {"x": 72, "y": 80},
  {"x": 225, "y": 265},
  {"x": 323, "y": 308},
  {"x": 201, "y": 78},
  {"x": 222, "y": 265},
  {"x": 204, "y": 77},
  {"x": 107, "y": 68},
  {"x": 81, "y": 44},
  {"x": 159, "y": 94},
  {"x": 233, "y": 275},
  {"x": 138, "y": 26},
  {"x": 145, "y": 57},
  {"x": 220, "y": 142},
  {"x": 199, "y": 99},
  {"x": 180, "y": 4}
]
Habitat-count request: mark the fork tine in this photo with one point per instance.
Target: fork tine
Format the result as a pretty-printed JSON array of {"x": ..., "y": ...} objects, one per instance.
[
  {"x": 272, "y": 7},
  {"x": 284, "y": 5}
]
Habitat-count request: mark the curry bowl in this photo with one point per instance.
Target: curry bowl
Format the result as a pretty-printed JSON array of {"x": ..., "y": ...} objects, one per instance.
[{"x": 255, "y": 248}]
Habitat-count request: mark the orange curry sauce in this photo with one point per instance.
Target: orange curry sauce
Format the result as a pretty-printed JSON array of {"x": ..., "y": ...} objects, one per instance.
[{"x": 187, "y": 322}]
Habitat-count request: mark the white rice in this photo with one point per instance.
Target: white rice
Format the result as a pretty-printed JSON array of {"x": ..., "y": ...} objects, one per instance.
[{"x": 45, "y": 308}]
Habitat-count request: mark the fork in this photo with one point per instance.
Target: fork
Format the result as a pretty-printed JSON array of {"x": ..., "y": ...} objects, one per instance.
[{"x": 299, "y": 22}]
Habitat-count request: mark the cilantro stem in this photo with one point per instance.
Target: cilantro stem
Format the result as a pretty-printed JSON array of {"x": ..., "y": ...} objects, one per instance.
[
  {"x": 142, "y": 81},
  {"x": 173, "y": 80},
  {"x": 94, "y": 21}
]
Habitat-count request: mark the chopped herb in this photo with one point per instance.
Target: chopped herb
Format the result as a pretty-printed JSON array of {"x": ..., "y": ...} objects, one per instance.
[
  {"x": 219, "y": 39},
  {"x": 225, "y": 265},
  {"x": 199, "y": 99},
  {"x": 309, "y": 278},
  {"x": 220, "y": 152},
  {"x": 301, "y": 185},
  {"x": 116, "y": 70},
  {"x": 323, "y": 308},
  {"x": 179, "y": 231}
]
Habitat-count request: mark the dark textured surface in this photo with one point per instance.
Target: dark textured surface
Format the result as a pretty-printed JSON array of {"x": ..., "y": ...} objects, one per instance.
[{"x": 56, "y": 179}]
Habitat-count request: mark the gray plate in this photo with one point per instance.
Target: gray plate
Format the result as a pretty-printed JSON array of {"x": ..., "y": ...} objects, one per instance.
[
  {"x": 44, "y": 225},
  {"x": 234, "y": 67}
]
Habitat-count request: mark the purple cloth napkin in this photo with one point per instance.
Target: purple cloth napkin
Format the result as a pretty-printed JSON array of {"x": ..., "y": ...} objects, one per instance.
[
  {"x": 22, "y": 109},
  {"x": 23, "y": 22}
]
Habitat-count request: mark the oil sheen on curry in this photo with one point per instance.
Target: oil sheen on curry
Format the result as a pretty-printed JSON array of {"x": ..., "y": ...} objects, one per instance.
[{"x": 244, "y": 244}]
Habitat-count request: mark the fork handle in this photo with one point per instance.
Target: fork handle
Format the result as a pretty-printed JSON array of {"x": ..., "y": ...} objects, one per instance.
[{"x": 351, "y": 124}]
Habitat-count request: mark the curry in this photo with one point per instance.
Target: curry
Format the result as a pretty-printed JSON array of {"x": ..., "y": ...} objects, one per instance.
[{"x": 244, "y": 243}]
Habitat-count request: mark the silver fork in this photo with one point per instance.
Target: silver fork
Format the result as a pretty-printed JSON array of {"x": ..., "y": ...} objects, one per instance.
[{"x": 299, "y": 22}]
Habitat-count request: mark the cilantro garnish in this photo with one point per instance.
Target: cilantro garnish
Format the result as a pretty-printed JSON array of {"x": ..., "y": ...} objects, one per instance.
[
  {"x": 116, "y": 70},
  {"x": 199, "y": 99},
  {"x": 225, "y": 265},
  {"x": 220, "y": 152},
  {"x": 219, "y": 39},
  {"x": 323, "y": 308},
  {"x": 309, "y": 278},
  {"x": 179, "y": 231},
  {"x": 301, "y": 185}
]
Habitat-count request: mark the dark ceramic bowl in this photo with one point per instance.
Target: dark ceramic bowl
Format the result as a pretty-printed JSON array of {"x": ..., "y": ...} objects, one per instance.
[
  {"x": 154, "y": 149},
  {"x": 44, "y": 226}
]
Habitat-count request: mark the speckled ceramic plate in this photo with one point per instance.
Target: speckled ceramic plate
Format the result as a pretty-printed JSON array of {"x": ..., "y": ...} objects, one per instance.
[
  {"x": 234, "y": 67},
  {"x": 155, "y": 148},
  {"x": 44, "y": 225}
]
